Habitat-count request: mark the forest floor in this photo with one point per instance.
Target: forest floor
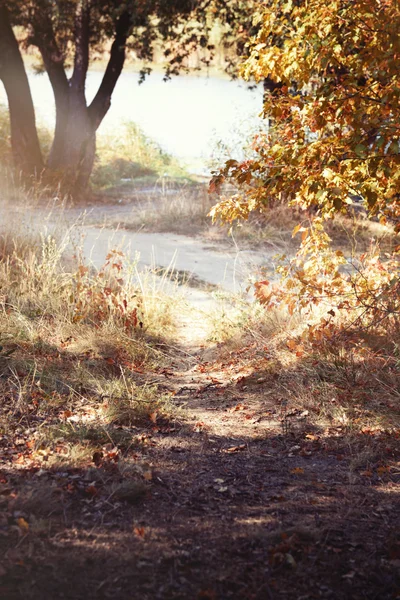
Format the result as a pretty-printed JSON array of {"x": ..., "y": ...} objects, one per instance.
[{"x": 263, "y": 475}]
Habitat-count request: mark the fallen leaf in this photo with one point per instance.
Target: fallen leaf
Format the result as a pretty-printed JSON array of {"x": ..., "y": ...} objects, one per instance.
[
  {"x": 91, "y": 490},
  {"x": 297, "y": 471},
  {"x": 139, "y": 532},
  {"x": 233, "y": 449},
  {"x": 198, "y": 428},
  {"x": 382, "y": 470},
  {"x": 366, "y": 473},
  {"x": 66, "y": 414},
  {"x": 148, "y": 475},
  {"x": 153, "y": 416},
  {"x": 23, "y": 525},
  {"x": 238, "y": 407}
]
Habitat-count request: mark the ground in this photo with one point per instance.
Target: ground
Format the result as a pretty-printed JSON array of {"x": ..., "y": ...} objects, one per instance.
[{"x": 238, "y": 490}]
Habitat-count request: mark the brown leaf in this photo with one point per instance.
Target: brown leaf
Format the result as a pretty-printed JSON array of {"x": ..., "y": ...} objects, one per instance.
[
  {"x": 92, "y": 490},
  {"x": 66, "y": 414},
  {"x": 153, "y": 416}
]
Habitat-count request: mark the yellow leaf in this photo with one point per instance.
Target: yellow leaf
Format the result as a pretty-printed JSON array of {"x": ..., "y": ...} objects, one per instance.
[{"x": 23, "y": 525}]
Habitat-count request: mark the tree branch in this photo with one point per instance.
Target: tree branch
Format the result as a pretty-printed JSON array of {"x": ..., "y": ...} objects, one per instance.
[
  {"x": 82, "y": 35},
  {"x": 102, "y": 101},
  {"x": 44, "y": 39}
]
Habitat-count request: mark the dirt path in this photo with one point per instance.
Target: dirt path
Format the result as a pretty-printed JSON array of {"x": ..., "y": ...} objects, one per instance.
[
  {"x": 241, "y": 500},
  {"x": 237, "y": 508}
]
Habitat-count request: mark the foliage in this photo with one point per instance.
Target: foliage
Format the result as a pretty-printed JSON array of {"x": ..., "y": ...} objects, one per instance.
[
  {"x": 335, "y": 119},
  {"x": 106, "y": 295},
  {"x": 332, "y": 141}
]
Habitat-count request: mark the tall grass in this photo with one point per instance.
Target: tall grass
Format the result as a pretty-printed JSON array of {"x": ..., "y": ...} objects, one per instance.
[{"x": 70, "y": 332}]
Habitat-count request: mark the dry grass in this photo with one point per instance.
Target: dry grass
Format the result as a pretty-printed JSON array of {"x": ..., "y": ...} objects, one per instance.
[
  {"x": 75, "y": 346},
  {"x": 167, "y": 206},
  {"x": 350, "y": 383}
]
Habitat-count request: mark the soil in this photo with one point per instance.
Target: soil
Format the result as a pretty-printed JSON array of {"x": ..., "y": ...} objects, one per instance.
[
  {"x": 233, "y": 498},
  {"x": 234, "y": 505}
]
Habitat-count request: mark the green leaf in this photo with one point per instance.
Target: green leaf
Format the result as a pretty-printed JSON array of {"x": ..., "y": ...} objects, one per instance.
[{"x": 360, "y": 150}]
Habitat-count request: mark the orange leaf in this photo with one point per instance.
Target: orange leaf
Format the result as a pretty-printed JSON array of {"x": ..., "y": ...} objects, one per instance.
[
  {"x": 235, "y": 449},
  {"x": 23, "y": 525},
  {"x": 297, "y": 471},
  {"x": 139, "y": 532},
  {"x": 238, "y": 407}
]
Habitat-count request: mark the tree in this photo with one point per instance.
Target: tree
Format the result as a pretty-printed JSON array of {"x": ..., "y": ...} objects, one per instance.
[
  {"x": 66, "y": 32},
  {"x": 335, "y": 107},
  {"x": 335, "y": 135}
]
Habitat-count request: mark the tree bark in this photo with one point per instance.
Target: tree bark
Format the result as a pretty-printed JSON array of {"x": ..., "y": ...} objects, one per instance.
[{"x": 24, "y": 139}]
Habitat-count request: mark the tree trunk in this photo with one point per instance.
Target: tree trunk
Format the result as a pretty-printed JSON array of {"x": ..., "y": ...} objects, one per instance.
[
  {"x": 74, "y": 146},
  {"x": 24, "y": 139},
  {"x": 73, "y": 150}
]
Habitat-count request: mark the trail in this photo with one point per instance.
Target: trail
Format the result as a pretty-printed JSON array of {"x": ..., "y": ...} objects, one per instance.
[{"x": 243, "y": 501}]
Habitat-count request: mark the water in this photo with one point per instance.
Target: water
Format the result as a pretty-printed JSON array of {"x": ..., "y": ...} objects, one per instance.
[{"x": 190, "y": 117}]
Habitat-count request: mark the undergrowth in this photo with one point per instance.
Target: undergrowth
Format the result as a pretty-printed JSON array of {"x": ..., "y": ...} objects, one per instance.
[
  {"x": 77, "y": 346},
  {"x": 346, "y": 382}
]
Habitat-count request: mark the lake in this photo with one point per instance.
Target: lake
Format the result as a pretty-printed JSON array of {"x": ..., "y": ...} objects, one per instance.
[{"x": 193, "y": 118}]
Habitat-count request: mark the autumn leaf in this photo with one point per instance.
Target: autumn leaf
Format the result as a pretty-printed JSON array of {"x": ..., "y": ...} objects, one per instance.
[
  {"x": 234, "y": 449},
  {"x": 148, "y": 474},
  {"x": 139, "y": 532},
  {"x": 238, "y": 407},
  {"x": 23, "y": 525},
  {"x": 91, "y": 490},
  {"x": 367, "y": 473},
  {"x": 153, "y": 416},
  {"x": 297, "y": 471}
]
